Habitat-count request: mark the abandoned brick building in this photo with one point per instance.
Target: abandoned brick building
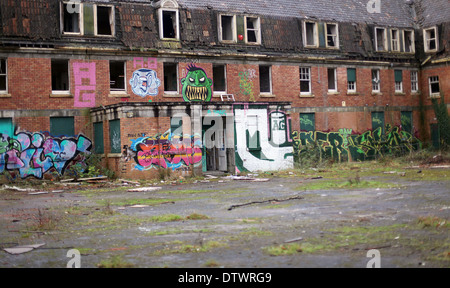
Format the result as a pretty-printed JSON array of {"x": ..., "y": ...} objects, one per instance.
[{"x": 141, "y": 83}]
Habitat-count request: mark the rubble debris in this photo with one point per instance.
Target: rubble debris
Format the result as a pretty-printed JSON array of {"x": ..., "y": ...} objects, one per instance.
[
  {"x": 265, "y": 201},
  {"x": 22, "y": 249},
  {"x": 246, "y": 178},
  {"x": 130, "y": 182},
  {"x": 145, "y": 189},
  {"x": 294, "y": 240},
  {"x": 19, "y": 189}
]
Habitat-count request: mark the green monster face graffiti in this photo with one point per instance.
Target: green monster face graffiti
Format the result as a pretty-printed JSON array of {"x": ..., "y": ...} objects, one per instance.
[{"x": 196, "y": 85}]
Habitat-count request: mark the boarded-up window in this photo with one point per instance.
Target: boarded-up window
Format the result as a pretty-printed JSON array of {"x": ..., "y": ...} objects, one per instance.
[
  {"x": 98, "y": 138},
  {"x": 6, "y": 128},
  {"x": 62, "y": 126},
  {"x": 114, "y": 136},
  {"x": 308, "y": 122},
  {"x": 378, "y": 121},
  {"x": 406, "y": 121}
]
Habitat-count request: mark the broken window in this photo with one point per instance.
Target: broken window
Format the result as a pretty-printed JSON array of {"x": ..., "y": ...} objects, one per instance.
[
  {"x": 380, "y": 39},
  {"x": 169, "y": 24},
  {"x": 265, "y": 79},
  {"x": 253, "y": 30},
  {"x": 227, "y": 28},
  {"x": 408, "y": 41},
  {"x": 310, "y": 31},
  {"x": 332, "y": 35},
  {"x": 430, "y": 39},
  {"x": 3, "y": 76},
  {"x": 395, "y": 41},
  {"x": 71, "y": 17},
  {"x": 414, "y": 81},
  {"x": 305, "y": 81},
  {"x": 375, "y": 80},
  {"x": 351, "y": 80},
  {"x": 170, "y": 78},
  {"x": 117, "y": 76},
  {"x": 60, "y": 76},
  {"x": 434, "y": 86},
  {"x": 398, "y": 81},
  {"x": 332, "y": 80},
  {"x": 105, "y": 20},
  {"x": 219, "y": 75}
]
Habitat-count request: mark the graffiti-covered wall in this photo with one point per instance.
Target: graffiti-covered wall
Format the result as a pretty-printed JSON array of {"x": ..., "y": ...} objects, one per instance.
[
  {"x": 262, "y": 139},
  {"x": 348, "y": 145},
  {"x": 35, "y": 154}
]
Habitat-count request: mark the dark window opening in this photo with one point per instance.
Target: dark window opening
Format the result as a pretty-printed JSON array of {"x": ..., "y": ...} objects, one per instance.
[
  {"x": 310, "y": 34},
  {"x": 104, "y": 20},
  {"x": 3, "y": 75},
  {"x": 169, "y": 24},
  {"x": 227, "y": 28},
  {"x": 332, "y": 79},
  {"x": 117, "y": 75},
  {"x": 219, "y": 78},
  {"x": 252, "y": 30},
  {"x": 264, "y": 79},
  {"x": 71, "y": 21},
  {"x": 60, "y": 75},
  {"x": 170, "y": 77}
]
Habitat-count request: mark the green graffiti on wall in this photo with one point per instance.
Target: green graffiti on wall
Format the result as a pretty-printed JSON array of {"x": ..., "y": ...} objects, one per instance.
[{"x": 345, "y": 145}]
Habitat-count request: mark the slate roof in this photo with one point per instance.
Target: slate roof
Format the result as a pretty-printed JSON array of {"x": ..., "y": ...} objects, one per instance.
[{"x": 393, "y": 12}]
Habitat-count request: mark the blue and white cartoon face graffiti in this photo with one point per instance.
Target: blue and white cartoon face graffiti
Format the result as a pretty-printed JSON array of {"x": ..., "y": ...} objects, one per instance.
[{"x": 145, "y": 82}]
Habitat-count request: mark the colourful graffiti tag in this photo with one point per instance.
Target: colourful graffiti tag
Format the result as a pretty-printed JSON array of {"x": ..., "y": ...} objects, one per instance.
[
  {"x": 166, "y": 151},
  {"x": 345, "y": 144},
  {"x": 196, "y": 85},
  {"x": 35, "y": 154},
  {"x": 246, "y": 85},
  {"x": 145, "y": 82}
]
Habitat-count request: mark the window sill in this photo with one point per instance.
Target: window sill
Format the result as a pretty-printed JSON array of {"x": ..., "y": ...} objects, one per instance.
[
  {"x": 352, "y": 94},
  {"x": 377, "y": 94},
  {"x": 119, "y": 95},
  {"x": 307, "y": 96},
  {"x": 219, "y": 94},
  {"x": 434, "y": 97},
  {"x": 5, "y": 95},
  {"x": 265, "y": 95},
  {"x": 333, "y": 93},
  {"x": 400, "y": 94},
  {"x": 176, "y": 95},
  {"x": 61, "y": 95},
  {"x": 114, "y": 155}
]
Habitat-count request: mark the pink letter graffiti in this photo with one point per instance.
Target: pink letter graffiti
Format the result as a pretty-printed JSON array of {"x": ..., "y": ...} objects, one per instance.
[
  {"x": 82, "y": 98},
  {"x": 151, "y": 63}
]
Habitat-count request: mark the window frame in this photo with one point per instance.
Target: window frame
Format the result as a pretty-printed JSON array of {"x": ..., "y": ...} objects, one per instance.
[
  {"x": 335, "y": 90},
  {"x": 378, "y": 89},
  {"x": 218, "y": 92},
  {"x": 430, "y": 82},
  {"x": 414, "y": 81},
  {"x": 117, "y": 91},
  {"x": 304, "y": 80},
  {"x": 385, "y": 40},
  {"x": 5, "y": 74},
  {"x": 233, "y": 28},
  {"x": 172, "y": 93},
  {"x": 336, "y": 46},
  {"x": 80, "y": 19},
  {"x": 351, "y": 85},
  {"x": 413, "y": 39},
  {"x": 395, "y": 42},
  {"x": 111, "y": 20},
  {"x": 426, "y": 43},
  {"x": 270, "y": 92},
  {"x": 315, "y": 34},
  {"x": 61, "y": 92},
  {"x": 161, "y": 23},
  {"x": 398, "y": 85},
  {"x": 257, "y": 30}
]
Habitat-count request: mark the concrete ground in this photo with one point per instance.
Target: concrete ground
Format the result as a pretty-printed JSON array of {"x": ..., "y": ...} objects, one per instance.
[{"x": 311, "y": 218}]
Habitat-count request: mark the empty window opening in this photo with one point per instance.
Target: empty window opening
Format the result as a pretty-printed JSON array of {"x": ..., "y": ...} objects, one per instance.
[
  {"x": 169, "y": 23},
  {"x": 60, "y": 75},
  {"x": 430, "y": 40},
  {"x": 252, "y": 30},
  {"x": 265, "y": 80},
  {"x": 227, "y": 27},
  {"x": 3, "y": 76},
  {"x": 380, "y": 39},
  {"x": 305, "y": 81},
  {"x": 170, "y": 77},
  {"x": 117, "y": 76},
  {"x": 219, "y": 75},
  {"x": 71, "y": 18},
  {"x": 332, "y": 35},
  {"x": 310, "y": 32},
  {"x": 105, "y": 20},
  {"x": 434, "y": 86},
  {"x": 408, "y": 41},
  {"x": 332, "y": 80}
]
